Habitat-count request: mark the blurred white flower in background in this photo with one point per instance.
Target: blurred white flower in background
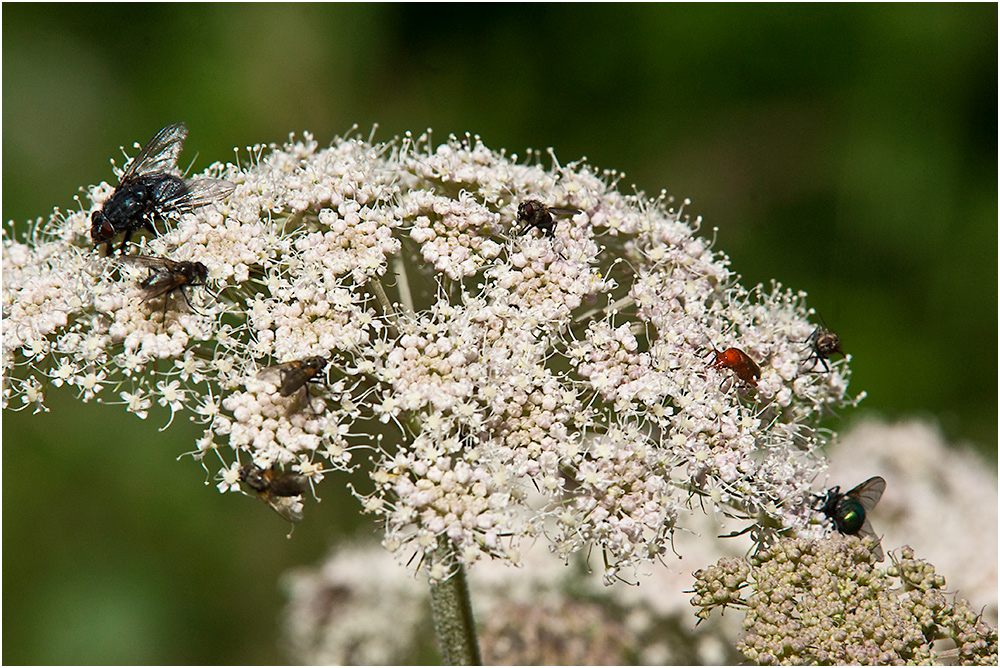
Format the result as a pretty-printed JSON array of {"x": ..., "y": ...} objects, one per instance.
[
  {"x": 940, "y": 498},
  {"x": 549, "y": 613}
]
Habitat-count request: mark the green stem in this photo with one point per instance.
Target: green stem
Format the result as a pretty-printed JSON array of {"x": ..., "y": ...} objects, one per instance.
[{"x": 452, "y": 612}]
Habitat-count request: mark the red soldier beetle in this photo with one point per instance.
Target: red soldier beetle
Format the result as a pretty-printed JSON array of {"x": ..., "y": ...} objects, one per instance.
[{"x": 739, "y": 362}]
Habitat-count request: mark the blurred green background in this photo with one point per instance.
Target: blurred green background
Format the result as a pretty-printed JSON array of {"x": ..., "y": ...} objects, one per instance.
[{"x": 849, "y": 151}]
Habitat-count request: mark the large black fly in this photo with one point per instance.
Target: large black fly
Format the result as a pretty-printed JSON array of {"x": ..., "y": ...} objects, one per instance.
[{"x": 152, "y": 189}]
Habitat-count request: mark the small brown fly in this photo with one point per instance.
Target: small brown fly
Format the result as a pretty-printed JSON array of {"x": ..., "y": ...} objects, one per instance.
[
  {"x": 279, "y": 489},
  {"x": 823, "y": 343},
  {"x": 533, "y": 214},
  {"x": 292, "y": 377},
  {"x": 167, "y": 277},
  {"x": 295, "y": 374}
]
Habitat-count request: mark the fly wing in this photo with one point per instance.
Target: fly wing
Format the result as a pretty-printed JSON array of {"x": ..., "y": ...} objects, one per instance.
[
  {"x": 866, "y": 530},
  {"x": 563, "y": 212},
  {"x": 159, "y": 154},
  {"x": 287, "y": 377},
  {"x": 158, "y": 264},
  {"x": 162, "y": 278},
  {"x": 289, "y": 380},
  {"x": 293, "y": 378},
  {"x": 288, "y": 507},
  {"x": 204, "y": 191},
  {"x": 868, "y": 492},
  {"x": 270, "y": 374},
  {"x": 195, "y": 194},
  {"x": 157, "y": 285}
]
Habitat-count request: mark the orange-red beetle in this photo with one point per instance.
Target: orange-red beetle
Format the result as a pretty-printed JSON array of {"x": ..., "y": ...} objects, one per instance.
[{"x": 740, "y": 363}]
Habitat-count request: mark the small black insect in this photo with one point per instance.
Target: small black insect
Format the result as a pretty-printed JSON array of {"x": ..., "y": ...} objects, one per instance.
[
  {"x": 533, "y": 213},
  {"x": 823, "y": 343},
  {"x": 278, "y": 489},
  {"x": 167, "y": 277},
  {"x": 152, "y": 189},
  {"x": 849, "y": 512}
]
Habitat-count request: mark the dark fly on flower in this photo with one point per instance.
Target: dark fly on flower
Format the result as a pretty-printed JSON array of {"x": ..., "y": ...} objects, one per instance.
[
  {"x": 279, "y": 489},
  {"x": 532, "y": 213},
  {"x": 167, "y": 277},
  {"x": 849, "y": 512},
  {"x": 152, "y": 189},
  {"x": 291, "y": 377},
  {"x": 295, "y": 374},
  {"x": 823, "y": 343}
]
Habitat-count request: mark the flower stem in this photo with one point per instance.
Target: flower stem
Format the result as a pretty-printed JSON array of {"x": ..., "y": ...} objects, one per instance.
[
  {"x": 452, "y": 612},
  {"x": 402, "y": 279}
]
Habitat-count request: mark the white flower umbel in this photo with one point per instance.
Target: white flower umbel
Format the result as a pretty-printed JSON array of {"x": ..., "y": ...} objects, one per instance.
[{"x": 574, "y": 383}]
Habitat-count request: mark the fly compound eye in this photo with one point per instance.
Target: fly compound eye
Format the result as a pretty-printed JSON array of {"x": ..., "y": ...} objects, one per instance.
[
  {"x": 100, "y": 228},
  {"x": 828, "y": 344},
  {"x": 253, "y": 476},
  {"x": 198, "y": 273}
]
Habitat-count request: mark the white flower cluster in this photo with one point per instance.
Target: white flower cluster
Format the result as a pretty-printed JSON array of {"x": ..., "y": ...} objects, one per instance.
[{"x": 592, "y": 382}]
